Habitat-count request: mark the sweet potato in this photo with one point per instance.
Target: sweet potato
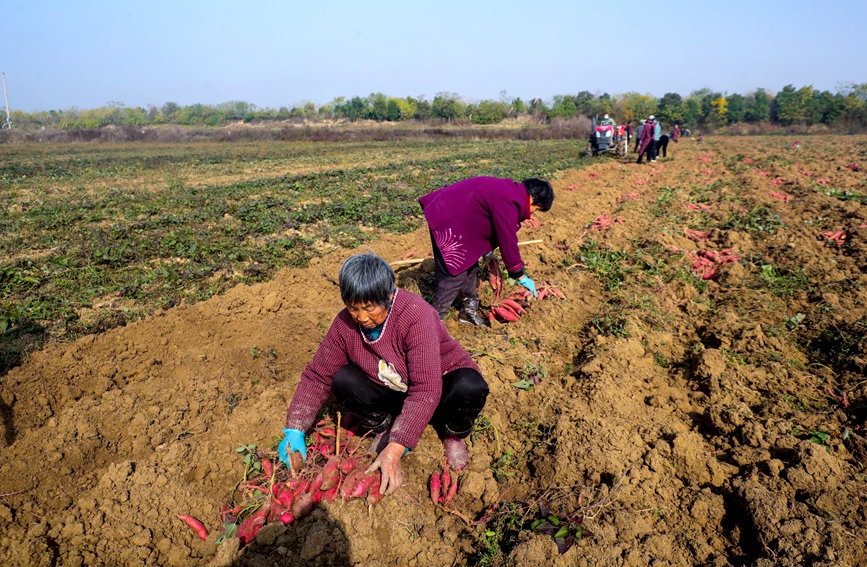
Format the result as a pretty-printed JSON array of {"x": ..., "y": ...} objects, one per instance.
[
  {"x": 316, "y": 496},
  {"x": 250, "y": 527},
  {"x": 282, "y": 494},
  {"x": 349, "y": 482},
  {"x": 347, "y": 465},
  {"x": 197, "y": 526},
  {"x": 514, "y": 305},
  {"x": 302, "y": 505},
  {"x": 316, "y": 484},
  {"x": 303, "y": 487},
  {"x": 452, "y": 489},
  {"x": 330, "y": 474},
  {"x": 267, "y": 467},
  {"x": 296, "y": 461},
  {"x": 287, "y": 518},
  {"x": 375, "y": 495},
  {"x": 435, "y": 488},
  {"x": 330, "y": 495},
  {"x": 505, "y": 314}
]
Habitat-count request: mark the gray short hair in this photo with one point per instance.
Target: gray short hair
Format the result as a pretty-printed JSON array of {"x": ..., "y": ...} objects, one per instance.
[{"x": 366, "y": 278}]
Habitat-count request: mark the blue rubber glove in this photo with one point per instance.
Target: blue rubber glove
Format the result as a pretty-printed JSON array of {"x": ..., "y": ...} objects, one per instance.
[
  {"x": 529, "y": 284},
  {"x": 293, "y": 441}
]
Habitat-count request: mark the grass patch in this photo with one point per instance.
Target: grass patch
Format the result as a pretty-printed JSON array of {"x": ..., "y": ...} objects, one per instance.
[
  {"x": 845, "y": 195},
  {"x": 759, "y": 220},
  {"x": 607, "y": 265},
  {"x": 782, "y": 281},
  {"x": 147, "y": 226}
]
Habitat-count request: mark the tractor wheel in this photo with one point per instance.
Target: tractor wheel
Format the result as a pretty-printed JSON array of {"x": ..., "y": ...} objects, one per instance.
[
  {"x": 590, "y": 151},
  {"x": 622, "y": 148}
]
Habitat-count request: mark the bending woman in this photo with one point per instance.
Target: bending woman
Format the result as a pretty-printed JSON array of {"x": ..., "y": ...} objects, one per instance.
[
  {"x": 471, "y": 218},
  {"x": 389, "y": 360}
]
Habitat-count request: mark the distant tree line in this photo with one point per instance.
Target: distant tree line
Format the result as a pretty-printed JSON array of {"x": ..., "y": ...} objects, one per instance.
[{"x": 701, "y": 108}]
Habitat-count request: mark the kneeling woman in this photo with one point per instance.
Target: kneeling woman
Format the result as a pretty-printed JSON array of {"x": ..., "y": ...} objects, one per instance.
[{"x": 390, "y": 361}]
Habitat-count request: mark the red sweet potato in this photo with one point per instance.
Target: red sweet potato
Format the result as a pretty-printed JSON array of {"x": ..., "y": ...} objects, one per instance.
[
  {"x": 362, "y": 485},
  {"x": 316, "y": 484},
  {"x": 446, "y": 480},
  {"x": 435, "y": 488},
  {"x": 297, "y": 461},
  {"x": 505, "y": 314},
  {"x": 452, "y": 490},
  {"x": 375, "y": 495},
  {"x": 197, "y": 526},
  {"x": 282, "y": 494},
  {"x": 250, "y": 527},
  {"x": 267, "y": 467},
  {"x": 330, "y": 495},
  {"x": 514, "y": 305},
  {"x": 303, "y": 487},
  {"x": 302, "y": 505},
  {"x": 346, "y": 489},
  {"x": 330, "y": 474},
  {"x": 347, "y": 465},
  {"x": 316, "y": 496}
]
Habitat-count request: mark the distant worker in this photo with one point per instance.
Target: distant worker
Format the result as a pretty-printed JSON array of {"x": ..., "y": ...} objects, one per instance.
[
  {"x": 629, "y": 133},
  {"x": 662, "y": 145},
  {"x": 675, "y": 134},
  {"x": 638, "y": 132},
  {"x": 657, "y": 132},
  {"x": 646, "y": 141},
  {"x": 607, "y": 121}
]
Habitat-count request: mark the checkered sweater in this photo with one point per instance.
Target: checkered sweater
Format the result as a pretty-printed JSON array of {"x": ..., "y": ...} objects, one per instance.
[{"x": 413, "y": 340}]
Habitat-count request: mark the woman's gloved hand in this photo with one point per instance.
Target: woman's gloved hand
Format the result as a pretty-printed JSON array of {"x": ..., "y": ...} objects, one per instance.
[
  {"x": 529, "y": 284},
  {"x": 293, "y": 440}
]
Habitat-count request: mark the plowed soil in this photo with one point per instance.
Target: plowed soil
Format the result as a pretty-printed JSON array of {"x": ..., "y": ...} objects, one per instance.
[{"x": 694, "y": 421}]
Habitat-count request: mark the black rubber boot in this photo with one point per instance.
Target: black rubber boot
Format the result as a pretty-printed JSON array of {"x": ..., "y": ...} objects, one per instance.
[{"x": 469, "y": 314}]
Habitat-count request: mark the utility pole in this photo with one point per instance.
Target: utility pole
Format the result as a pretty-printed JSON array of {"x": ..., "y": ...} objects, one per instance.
[{"x": 8, "y": 122}]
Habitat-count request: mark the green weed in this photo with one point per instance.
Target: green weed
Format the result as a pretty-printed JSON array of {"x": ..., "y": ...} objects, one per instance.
[
  {"x": 606, "y": 265},
  {"x": 760, "y": 219},
  {"x": 782, "y": 281}
]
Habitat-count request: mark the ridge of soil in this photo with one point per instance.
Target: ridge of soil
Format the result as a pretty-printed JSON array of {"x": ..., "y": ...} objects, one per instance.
[{"x": 695, "y": 422}]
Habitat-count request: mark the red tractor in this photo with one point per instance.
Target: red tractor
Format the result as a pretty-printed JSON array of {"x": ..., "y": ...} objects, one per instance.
[{"x": 607, "y": 138}]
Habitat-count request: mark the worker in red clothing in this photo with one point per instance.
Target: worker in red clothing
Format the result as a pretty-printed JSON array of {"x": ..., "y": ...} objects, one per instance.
[
  {"x": 469, "y": 219},
  {"x": 389, "y": 360}
]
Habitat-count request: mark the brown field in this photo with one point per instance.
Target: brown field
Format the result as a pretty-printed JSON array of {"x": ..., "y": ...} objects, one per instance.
[{"x": 714, "y": 422}]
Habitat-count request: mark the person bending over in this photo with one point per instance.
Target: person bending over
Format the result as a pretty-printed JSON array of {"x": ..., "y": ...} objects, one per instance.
[
  {"x": 389, "y": 360},
  {"x": 469, "y": 219}
]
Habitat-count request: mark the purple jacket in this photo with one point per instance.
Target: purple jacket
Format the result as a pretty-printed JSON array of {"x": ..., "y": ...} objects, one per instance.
[
  {"x": 472, "y": 217},
  {"x": 411, "y": 355},
  {"x": 646, "y": 137}
]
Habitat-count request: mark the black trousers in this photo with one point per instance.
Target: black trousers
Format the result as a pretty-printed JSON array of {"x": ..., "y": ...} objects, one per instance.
[
  {"x": 449, "y": 287},
  {"x": 650, "y": 151},
  {"x": 463, "y": 399},
  {"x": 662, "y": 145}
]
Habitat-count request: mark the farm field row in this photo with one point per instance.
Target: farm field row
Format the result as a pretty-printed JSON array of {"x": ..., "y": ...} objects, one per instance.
[
  {"x": 697, "y": 399},
  {"x": 97, "y": 236}
]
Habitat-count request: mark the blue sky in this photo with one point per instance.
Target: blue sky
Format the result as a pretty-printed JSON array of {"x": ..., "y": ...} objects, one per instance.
[{"x": 85, "y": 53}]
